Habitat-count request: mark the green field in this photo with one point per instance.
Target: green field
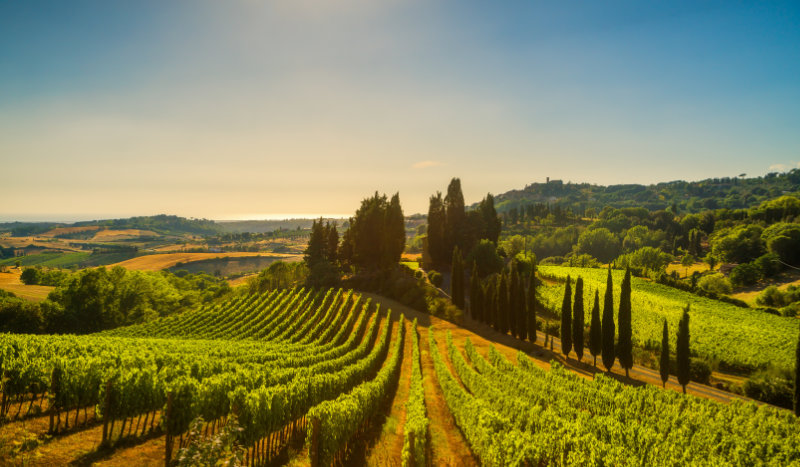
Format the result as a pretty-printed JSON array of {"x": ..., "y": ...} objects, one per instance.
[
  {"x": 78, "y": 259},
  {"x": 738, "y": 338}
]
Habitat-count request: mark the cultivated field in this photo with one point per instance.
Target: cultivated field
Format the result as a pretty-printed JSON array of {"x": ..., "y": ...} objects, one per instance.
[{"x": 157, "y": 262}]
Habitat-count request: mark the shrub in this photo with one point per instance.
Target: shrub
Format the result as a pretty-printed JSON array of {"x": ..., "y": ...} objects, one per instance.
[
  {"x": 771, "y": 296},
  {"x": 435, "y": 277},
  {"x": 771, "y": 386},
  {"x": 715, "y": 283},
  {"x": 745, "y": 274}
]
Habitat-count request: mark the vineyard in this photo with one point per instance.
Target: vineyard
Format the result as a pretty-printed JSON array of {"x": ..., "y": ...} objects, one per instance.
[
  {"x": 314, "y": 377},
  {"x": 290, "y": 365},
  {"x": 523, "y": 415},
  {"x": 737, "y": 338}
]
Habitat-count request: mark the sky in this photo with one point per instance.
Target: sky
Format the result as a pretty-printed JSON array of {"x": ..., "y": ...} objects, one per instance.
[{"x": 251, "y": 109}]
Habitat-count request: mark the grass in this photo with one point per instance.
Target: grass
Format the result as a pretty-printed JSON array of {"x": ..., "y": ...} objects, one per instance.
[{"x": 411, "y": 264}]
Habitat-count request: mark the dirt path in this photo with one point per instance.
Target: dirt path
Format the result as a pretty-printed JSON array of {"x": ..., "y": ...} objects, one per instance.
[{"x": 388, "y": 448}]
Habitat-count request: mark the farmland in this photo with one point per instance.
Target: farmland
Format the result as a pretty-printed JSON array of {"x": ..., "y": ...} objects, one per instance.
[{"x": 739, "y": 338}]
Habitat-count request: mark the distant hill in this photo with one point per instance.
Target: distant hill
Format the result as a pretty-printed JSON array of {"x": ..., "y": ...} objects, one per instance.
[
  {"x": 262, "y": 226},
  {"x": 712, "y": 193},
  {"x": 161, "y": 224}
]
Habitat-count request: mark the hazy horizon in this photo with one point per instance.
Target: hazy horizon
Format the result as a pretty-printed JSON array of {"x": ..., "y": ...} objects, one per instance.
[{"x": 218, "y": 110}]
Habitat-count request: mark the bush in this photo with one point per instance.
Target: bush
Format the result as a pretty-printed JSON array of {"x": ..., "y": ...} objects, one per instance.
[
  {"x": 715, "y": 283},
  {"x": 769, "y": 264},
  {"x": 745, "y": 274},
  {"x": 772, "y": 297},
  {"x": 418, "y": 274},
  {"x": 486, "y": 255},
  {"x": 771, "y": 386},
  {"x": 436, "y": 278},
  {"x": 699, "y": 370},
  {"x": 553, "y": 260}
]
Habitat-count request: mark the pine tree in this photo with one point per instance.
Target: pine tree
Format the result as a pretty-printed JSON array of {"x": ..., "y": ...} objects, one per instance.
[
  {"x": 566, "y": 320},
  {"x": 491, "y": 221},
  {"x": 502, "y": 302},
  {"x": 608, "y": 327},
  {"x": 332, "y": 244},
  {"x": 664, "y": 363},
  {"x": 682, "y": 349},
  {"x": 624, "y": 349},
  {"x": 577, "y": 319},
  {"x": 797, "y": 379},
  {"x": 595, "y": 330},
  {"x": 531, "y": 308},
  {"x": 475, "y": 298},
  {"x": 457, "y": 279}
]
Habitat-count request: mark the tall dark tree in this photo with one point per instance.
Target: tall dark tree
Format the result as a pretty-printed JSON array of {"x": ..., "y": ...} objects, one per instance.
[
  {"x": 522, "y": 308},
  {"x": 624, "y": 347},
  {"x": 315, "y": 251},
  {"x": 513, "y": 298},
  {"x": 609, "y": 329},
  {"x": 566, "y": 320},
  {"x": 531, "y": 308},
  {"x": 497, "y": 316},
  {"x": 664, "y": 362},
  {"x": 455, "y": 215},
  {"x": 377, "y": 233},
  {"x": 437, "y": 242},
  {"x": 595, "y": 329},
  {"x": 475, "y": 295},
  {"x": 457, "y": 279},
  {"x": 491, "y": 221},
  {"x": 796, "y": 399},
  {"x": 489, "y": 303},
  {"x": 502, "y": 302},
  {"x": 682, "y": 349},
  {"x": 577, "y": 319},
  {"x": 394, "y": 231},
  {"x": 332, "y": 244}
]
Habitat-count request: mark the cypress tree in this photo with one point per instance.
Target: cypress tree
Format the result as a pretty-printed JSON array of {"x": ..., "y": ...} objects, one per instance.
[
  {"x": 502, "y": 302},
  {"x": 531, "y": 308},
  {"x": 608, "y": 327},
  {"x": 495, "y": 284},
  {"x": 797, "y": 379},
  {"x": 475, "y": 298},
  {"x": 522, "y": 308},
  {"x": 682, "y": 349},
  {"x": 513, "y": 297},
  {"x": 436, "y": 230},
  {"x": 457, "y": 279},
  {"x": 664, "y": 363},
  {"x": 487, "y": 310},
  {"x": 566, "y": 320},
  {"x": 577, "y": 319},
  {"x": 624, "y": 349},
  {"x": 455, "y": 216},
  {"x": 595, "y": 330}
]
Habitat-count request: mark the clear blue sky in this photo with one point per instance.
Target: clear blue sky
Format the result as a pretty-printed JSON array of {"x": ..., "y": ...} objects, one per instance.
[{"x": 238, "y": 109}]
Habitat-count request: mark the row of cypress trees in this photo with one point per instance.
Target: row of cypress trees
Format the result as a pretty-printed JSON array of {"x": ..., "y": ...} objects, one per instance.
[
  {"x": 505, "y": 301},
  {"x": 601, "y": 333}
]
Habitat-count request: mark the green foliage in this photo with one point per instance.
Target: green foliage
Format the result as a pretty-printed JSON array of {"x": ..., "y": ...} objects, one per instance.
[
  {"x": 279, "y": 275},
  {"x": 435, "y": 277},
  {"x": 772, "y": 386},
  {"x": 416, "y": 419},
  {"x": 682, "y": 353},
  {"x": 624, "y": 349},
  {"x": 715, "y": 283},
  {"x": 608, "y": 327},
  {"x": 566, "y": 319},
  {"x": 737, "y": 339},
  {"x": 376, "y": 237},
  {"x": 578, "y": 319},
  {"x": 484, "y": 254},
  {"x": 595, "y": 329},
  {"x": 745, "y": 274},
  {"x": 457, "y": 279},
  {"x": 664, "y": 361},
  {"x": 220, "y": 449},
  {"x": 38, "y": 276},
  {"x": 645, "y": 258},
  {"x": 599, "y": 243},
  {"x": 738, "y": 244}
]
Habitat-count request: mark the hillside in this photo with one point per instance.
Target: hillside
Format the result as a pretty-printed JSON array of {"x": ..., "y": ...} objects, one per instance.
[{"x": 708, "y": 194}]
